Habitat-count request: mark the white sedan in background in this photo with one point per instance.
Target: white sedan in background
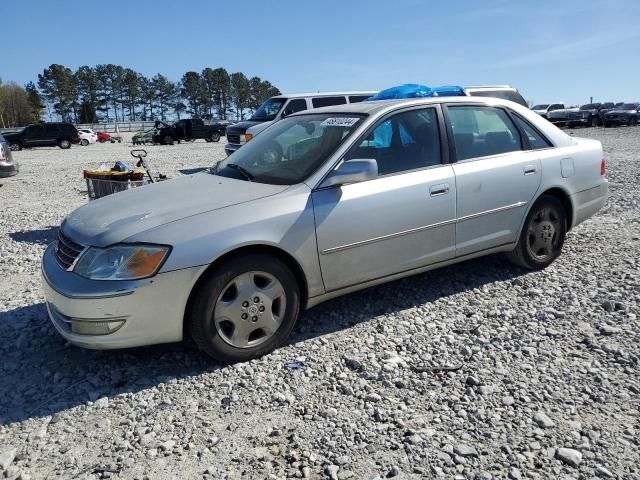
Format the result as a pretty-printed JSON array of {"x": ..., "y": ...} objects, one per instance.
[{"x": 87, "y": 136}]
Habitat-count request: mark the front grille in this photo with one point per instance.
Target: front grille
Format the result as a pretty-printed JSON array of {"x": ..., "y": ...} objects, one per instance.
[
  {"x": 233, "y": 138},
  {"x": 67, "y": 250}
]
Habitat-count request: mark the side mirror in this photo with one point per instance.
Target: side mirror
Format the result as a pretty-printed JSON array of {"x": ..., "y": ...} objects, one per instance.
[{"x": 352, "y": 171}]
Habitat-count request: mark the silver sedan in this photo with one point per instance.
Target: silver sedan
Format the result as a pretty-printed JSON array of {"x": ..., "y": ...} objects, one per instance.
[
  {"x": 8, "y": 166},
  {"x": 320, "y": 204}
]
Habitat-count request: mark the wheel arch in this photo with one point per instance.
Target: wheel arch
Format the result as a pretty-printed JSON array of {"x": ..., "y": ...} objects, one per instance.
[
  {"x": 564, "y": 198},
  {"x": 265, "y": 249}
]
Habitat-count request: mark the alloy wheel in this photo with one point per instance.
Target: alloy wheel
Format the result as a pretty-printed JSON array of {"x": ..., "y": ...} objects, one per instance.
[
  {"x": 250, "y": 309},
  {"x": 543, "y": 233}
]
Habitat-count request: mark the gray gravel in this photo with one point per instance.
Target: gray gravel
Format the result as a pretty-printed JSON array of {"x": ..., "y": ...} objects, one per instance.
[{"x": 476, "y": 371}]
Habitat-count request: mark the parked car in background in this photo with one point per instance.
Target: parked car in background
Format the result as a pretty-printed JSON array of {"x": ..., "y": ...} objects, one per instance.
[
  {"x": 282, "y": 106},
  {"x": 43, "y": 135},
  {"x": 606, "y": 107},
  {"x": 222, "y": 125},
  {"x": 8, "y": 166},
  {"x": 87, "y": 136},
  {"x": 185, "y": 130},
  {"x": 104, "y": 137},
  {"x": 587, "y": 115},
  {"x": 626, "y": 114},
  {"x": 359, "y": 195},
  {"x": 144, "y": 137},
  {"x": 560, "y": 117},
  {"x": 544, "y": 108},
  {"x": 506, "y": 92}
]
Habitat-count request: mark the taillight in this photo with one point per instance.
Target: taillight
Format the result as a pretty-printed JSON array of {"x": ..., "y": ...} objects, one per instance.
[{"x": 603, "y": 167}]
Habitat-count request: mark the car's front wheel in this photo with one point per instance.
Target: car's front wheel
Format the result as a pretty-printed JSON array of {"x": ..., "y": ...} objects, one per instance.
[
  {"x": 15, "y": 146},
  {"x": 64, "y": 144},
  {"x": 246, "y": 308},
  {"x": 168, "y": 140},
  {"x": 215, "y": 137},
  {"x": 84, "y": 142},
  {"x": 542, "y": 236}
]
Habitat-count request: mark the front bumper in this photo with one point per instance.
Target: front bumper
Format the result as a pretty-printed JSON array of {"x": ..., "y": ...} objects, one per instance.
[
  {"x": 150, "y": 311},
  {"x": 229, "y": 148},
  {"x": 7, "y": 169}
]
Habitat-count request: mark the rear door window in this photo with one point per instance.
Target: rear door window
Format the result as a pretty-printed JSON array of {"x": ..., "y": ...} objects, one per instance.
[
  {"x": 327, "y": 101},
  {"x": 535, "y": 138},
  {"x": 480, "y": 131}
]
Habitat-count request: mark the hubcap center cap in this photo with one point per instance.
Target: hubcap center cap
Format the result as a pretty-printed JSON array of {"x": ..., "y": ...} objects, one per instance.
[{"x": 253, "y": 310}]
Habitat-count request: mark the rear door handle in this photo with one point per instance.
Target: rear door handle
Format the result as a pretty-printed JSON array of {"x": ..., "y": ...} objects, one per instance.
[
  {"x": 529, "y": 169},
  {"x": 439, "y": 189}
]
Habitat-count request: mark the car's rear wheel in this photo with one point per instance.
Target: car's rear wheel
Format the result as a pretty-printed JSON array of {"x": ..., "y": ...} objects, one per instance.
[
  {"x": 542, "y": 236},
  {"x": 215, "y": 137},
  {"x": 15, "y": 146},
  {"x": 246, "y": 308},
  {"x": 168, "y": 140},
  {"x": 64, "y": 144}
]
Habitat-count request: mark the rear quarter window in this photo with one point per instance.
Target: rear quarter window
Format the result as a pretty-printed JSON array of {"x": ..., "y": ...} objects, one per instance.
[{"x": 358, "y": 98}]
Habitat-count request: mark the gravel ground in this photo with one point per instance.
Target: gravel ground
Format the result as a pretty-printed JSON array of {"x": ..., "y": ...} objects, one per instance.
[{"x": 475, "y": 371}]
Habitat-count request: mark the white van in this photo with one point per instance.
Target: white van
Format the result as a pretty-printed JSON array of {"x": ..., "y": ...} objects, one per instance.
[{"x": 281, "y": 106}]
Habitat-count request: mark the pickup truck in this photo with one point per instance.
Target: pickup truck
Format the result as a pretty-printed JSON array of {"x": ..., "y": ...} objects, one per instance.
[{"x": 187, "y": 129}]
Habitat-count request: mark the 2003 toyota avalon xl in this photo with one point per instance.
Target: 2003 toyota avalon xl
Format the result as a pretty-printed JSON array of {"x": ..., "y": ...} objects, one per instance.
[{"x": 322, "y": 203}]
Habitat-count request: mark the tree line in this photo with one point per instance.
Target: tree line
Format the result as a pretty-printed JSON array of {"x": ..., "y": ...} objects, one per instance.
[{"x": 112, "y": 93}]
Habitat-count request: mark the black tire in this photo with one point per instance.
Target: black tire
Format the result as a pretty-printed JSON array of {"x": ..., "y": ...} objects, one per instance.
[
  {"x": 215, "y": 137},
  {"x": 208, "y": 140},
  {"x": 200, "y": 323},
  {"x": 64, "y": 144},
  {"x": 633, "y": 121},
  {"x": 167, "y": 140},
  {"x": 542, "y": 236},
  {"x": 606, "y": 124},
  {"x": 84, "y": 142},
  {"x": 15, "y": 146}
]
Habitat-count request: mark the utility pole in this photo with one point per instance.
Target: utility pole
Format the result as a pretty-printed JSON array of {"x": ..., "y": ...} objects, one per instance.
[{"x": 590, "y": 99}]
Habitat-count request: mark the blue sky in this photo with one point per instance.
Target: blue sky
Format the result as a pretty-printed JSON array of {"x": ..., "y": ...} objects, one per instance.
[{"x": 550, "y": 50}]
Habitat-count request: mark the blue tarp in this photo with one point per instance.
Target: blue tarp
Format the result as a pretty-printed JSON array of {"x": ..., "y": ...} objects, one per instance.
[{"x": 412, "y": 90}]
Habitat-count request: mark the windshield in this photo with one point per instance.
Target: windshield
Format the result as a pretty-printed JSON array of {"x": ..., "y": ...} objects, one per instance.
[
  {"x": 268, "y": 110},
  {"x": 540, "y": 107},
  {"x": 629, "y": 106},
  {"x": 590, "y": 106},
  {"x": 290, "y": 150}
]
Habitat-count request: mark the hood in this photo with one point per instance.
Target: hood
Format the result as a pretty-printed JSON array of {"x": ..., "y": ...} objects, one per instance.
[
  {"x": 241, "y": 127},
  {"x": 11, "y": 135},
  {"x": 115, "y": 218},
  {"x": 256, "y": 129}
]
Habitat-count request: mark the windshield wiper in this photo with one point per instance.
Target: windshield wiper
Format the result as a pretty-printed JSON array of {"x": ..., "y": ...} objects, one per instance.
[{"x": 245, "y": 173}]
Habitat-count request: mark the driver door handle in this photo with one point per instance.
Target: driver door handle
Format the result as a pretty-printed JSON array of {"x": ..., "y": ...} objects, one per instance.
[{"x": 439, "y": 189}]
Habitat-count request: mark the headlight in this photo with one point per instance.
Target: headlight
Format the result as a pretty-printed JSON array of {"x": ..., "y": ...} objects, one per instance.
[
  {"x": 245, "y": 137},
  {"x": 121, "y": 262}
]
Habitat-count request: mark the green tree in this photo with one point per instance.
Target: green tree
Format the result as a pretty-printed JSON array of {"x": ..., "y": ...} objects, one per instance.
[
  {"x": 34, "y": 99},
  {"x": 165, "y": 92},
  {"x": 88, "y": 89},
  {"x": 15, "y": 110},
  {"x": 58, "y": 87},
  {"x": 191, "y": 91},
  {"x": 131, "y": 92},
  {"x": 240, "y": 93}
]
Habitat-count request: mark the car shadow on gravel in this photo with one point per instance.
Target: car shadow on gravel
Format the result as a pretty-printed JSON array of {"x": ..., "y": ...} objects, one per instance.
[
  {"x": 40, "y": 237},
  {"x": 42, "y": 375},
  {"x": 344, "y": 312}
]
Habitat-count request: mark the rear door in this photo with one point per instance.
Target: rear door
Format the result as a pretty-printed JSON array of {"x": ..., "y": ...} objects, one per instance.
[
  {"x": 496, "y": 176},
  {"x": 402, "y": 220},
  {"x": 52, "y": 133}
]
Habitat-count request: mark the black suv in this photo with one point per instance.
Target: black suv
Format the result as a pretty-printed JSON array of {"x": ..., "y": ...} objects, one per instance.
[{"x": 43, "y": 135}]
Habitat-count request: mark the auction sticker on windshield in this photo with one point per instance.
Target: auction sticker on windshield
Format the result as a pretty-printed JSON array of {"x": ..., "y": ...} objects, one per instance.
[{"x": 339, "y": 122}]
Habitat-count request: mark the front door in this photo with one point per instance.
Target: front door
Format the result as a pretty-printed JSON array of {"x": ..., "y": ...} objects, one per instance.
[
  {"x": 496, "y": 177},
  {"x": 400, "y": 221}
]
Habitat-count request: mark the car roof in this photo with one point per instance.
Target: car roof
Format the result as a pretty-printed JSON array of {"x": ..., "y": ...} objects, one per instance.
[
  {"x": 326, "y": 94},
  {"x": 375, "y": 106}
]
